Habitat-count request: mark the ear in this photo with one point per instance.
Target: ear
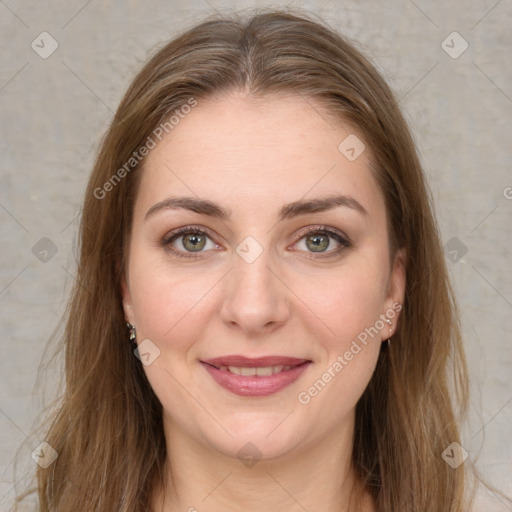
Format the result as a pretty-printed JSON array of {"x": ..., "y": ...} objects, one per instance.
[
  {"x": 126, "y": 297},
  {"x": 393, "y": 303}
]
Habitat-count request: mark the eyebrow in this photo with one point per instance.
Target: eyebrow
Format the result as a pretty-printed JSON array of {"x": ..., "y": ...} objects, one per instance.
[{"x": 288, "y": 211}]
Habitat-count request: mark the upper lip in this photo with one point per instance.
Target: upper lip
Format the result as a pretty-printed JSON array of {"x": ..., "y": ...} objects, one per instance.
[{"x": 257, "y": 362}]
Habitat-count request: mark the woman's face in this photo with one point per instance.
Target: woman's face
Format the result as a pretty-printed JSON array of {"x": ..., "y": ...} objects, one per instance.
[{"x": 265, "y": 269}]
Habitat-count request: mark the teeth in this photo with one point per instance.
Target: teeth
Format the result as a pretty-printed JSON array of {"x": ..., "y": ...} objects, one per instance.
[{"x": 265, "y": 371}]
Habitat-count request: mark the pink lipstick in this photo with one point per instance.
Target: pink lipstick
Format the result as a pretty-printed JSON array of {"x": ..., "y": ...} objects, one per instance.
[{"x": 253, "y": 377}]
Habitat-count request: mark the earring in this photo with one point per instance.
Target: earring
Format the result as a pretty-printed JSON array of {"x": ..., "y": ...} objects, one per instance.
[
  {"x": 133, "y": 331},
  {"x": 389, "y": 322}
]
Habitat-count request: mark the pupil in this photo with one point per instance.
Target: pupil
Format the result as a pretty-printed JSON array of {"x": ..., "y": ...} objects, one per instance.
[
  {"x": 195, "y": 241},
  {"x": 319, "y": 241}
]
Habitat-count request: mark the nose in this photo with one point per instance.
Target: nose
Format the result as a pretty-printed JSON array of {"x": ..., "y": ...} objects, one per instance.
[{"x": 256, "y": 300}]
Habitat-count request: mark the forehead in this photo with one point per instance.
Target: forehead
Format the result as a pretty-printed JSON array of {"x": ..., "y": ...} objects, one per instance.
[{"x": 254, "y": 153}]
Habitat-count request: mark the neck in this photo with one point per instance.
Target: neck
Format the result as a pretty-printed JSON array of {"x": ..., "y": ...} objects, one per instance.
[{"x": 317, "y": 477}]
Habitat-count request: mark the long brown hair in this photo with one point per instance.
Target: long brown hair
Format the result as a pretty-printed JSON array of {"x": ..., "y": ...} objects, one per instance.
[{"x": 108, "y": 428}]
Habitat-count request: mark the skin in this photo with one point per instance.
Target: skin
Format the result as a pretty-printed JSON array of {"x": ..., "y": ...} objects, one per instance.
[{"x": 253, "y": 156}]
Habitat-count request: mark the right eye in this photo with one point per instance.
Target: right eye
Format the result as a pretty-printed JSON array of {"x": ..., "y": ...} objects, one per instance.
[{"x": 193, "y": 240}]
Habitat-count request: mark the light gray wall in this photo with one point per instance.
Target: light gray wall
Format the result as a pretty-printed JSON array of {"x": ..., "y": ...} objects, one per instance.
[{"x": 54, "y": 111}]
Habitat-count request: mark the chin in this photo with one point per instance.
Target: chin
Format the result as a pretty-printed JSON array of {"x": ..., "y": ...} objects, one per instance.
[{"x": 268, "y": 438}]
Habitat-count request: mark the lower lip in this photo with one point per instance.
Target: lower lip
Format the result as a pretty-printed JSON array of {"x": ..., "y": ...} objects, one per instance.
[{"x": 253, "y": 385}]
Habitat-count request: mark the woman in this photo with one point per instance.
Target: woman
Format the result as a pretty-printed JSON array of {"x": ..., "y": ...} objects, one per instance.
[{"x": 262, "y": 317}]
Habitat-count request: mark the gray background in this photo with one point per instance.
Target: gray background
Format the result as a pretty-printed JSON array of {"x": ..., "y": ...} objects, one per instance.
[{"x": 55, "y": 110}]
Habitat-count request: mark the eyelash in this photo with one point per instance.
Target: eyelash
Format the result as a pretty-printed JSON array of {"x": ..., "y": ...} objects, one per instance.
[{"x": 322, "y": 230}]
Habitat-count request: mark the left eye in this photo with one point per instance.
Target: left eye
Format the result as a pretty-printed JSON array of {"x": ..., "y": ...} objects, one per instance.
[{"x": 318, "y": 241}]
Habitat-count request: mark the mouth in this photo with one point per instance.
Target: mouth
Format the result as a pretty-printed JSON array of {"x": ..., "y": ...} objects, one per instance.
[{"x": 253, "y": 377}]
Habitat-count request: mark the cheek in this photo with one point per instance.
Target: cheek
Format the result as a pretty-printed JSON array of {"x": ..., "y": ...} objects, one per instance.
[
  {"x": 169, "y": 306},
  {"x": 351, "y": 309},
  {"x": 168, "y": 303},
  {"x": 347, "y": 301}
]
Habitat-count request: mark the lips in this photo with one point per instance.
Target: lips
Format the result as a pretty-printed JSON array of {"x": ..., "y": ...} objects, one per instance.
[
  {"x": 258, "y": 362},
  {"x": 253, "y": 377}
]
